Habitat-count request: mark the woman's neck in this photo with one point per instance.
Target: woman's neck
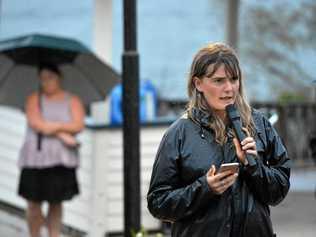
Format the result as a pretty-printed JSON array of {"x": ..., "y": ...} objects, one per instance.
[
  {"x": 222, "y": 115},
  {"x": 58, "y": 95}
]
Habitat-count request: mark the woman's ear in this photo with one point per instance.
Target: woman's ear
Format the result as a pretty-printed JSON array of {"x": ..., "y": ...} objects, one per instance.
[{"x": 197, "y": 83}]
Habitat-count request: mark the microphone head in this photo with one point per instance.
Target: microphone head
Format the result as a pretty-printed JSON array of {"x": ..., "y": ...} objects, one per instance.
[{"x": 232, "y": 111}]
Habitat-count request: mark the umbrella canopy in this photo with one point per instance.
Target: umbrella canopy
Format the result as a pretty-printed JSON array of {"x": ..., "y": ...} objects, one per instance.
[{"x": 83, "y": 73}]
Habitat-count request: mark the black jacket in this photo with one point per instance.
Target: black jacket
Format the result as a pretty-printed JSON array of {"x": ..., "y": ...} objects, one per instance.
[{"x": 179, "y": 192}]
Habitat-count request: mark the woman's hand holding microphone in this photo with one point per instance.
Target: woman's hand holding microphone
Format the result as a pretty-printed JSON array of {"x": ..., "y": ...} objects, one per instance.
[{"x": 220, "y": 182}]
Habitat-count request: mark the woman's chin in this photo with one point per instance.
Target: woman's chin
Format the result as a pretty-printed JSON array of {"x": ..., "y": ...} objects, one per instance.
[{"x": 228, "y": 102}]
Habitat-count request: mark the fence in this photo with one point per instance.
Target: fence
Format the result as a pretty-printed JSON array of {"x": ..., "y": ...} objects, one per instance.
[{"x": 296, "y": 125}]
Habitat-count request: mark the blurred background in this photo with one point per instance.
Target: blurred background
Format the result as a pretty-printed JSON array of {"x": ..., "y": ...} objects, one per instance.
[{"x": 276, "y": 43}]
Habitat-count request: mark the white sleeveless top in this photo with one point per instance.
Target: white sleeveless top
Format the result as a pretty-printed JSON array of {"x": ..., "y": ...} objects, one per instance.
[{"x": 53, "y": 152}]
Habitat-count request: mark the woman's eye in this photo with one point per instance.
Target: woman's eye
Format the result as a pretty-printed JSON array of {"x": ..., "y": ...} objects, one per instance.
[{"x": 218, "y": 80}]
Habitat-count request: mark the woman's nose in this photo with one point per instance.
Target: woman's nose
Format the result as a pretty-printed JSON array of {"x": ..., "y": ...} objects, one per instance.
[{"x": 228, "y": 86}]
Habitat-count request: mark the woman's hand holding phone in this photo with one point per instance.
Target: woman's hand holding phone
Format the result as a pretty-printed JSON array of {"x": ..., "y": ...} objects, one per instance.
[
  {"x": 220, "y": 181},
  {"x": 233, "y": 167}
]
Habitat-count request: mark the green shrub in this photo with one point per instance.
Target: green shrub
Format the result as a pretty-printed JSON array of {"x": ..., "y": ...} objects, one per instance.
[
  {"x": 290, "y": 97},
  {"x": 144, "y": 233}
]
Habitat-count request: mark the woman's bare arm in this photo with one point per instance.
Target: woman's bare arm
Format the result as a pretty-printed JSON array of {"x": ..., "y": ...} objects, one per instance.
[
  {"x": 35, "y": 119},
  {"x": 77, "y": 114}
]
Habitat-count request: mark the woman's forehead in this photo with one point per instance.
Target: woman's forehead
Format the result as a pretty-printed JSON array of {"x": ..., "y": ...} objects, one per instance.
[
  {"x": 219, "y": 70},
  {"x": 47, "y": 72}
]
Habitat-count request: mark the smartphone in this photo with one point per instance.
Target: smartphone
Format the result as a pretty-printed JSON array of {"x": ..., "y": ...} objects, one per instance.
[{"x": 234, "y": 167}]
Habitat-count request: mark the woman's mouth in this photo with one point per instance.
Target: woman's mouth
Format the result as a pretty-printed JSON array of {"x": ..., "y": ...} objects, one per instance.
[{"x": 226, "y": 98}]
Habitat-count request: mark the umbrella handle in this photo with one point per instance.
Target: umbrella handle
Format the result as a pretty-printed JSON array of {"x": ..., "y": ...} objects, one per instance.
[
  {"x": 39, "y": 141},
  {"x": 39, "y": 135}
]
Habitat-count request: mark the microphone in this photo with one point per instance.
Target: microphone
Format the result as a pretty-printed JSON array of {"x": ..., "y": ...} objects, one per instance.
[{"x": 234, "y": 118}]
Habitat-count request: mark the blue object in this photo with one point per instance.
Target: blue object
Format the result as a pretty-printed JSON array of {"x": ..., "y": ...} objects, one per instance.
[{"x": 147, "y": 107}]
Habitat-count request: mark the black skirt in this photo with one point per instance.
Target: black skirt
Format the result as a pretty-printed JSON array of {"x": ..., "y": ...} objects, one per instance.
[{"x": 53, "y": 185}]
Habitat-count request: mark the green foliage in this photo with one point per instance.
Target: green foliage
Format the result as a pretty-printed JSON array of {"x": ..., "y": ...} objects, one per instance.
[
  {"x": 143, "y": 233},
  {"x": 290, "y": 97}
]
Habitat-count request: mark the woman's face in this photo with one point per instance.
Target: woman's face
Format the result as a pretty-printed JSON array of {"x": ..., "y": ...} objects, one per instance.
[
  {"x": 219, "y": 89},
  {"x": 50, "y": 81}
]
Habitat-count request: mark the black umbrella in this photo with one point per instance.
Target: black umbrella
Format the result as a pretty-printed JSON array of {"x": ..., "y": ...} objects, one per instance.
[{"x": 84, "y": 74}]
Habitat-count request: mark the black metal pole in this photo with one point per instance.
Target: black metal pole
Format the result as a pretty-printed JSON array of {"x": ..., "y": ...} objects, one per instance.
[
  {"x": 232, "y": 23},
  {"x": 131, "y": 121}
]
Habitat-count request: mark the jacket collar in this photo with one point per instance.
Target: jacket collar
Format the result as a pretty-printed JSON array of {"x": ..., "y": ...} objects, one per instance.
[{"x": 202, "y": 117}]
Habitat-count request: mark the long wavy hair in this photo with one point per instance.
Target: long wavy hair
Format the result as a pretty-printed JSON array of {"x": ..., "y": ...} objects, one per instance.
[{"x": 217, "y": 54}]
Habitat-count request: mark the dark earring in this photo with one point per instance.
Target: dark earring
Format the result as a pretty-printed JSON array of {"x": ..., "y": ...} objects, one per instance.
[{"x": 196, "y": 93}]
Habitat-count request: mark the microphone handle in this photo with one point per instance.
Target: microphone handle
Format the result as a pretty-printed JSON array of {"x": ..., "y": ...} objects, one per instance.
[
  {"x": 241, "y": 136},
  {"x": 238, "y": 130}
]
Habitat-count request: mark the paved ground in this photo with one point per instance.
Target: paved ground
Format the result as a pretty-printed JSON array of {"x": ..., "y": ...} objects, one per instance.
[
  {"x": 294, "y": 217},
  {"x": 15, "y": 226}
]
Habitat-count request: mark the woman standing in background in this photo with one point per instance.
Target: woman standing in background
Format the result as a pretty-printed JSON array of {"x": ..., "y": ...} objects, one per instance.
[{"x": 49, "y": 155}]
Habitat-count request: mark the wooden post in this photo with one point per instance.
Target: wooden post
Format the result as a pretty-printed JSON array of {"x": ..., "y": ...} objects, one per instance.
[
  {"x": 232, "y": 23},
  {"x": 102, "y": 29},
  {"x": 98, "y": 224}
]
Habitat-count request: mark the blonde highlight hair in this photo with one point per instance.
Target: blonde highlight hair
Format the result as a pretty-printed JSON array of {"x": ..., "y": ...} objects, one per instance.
[{"x": 217, "y": 54}]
